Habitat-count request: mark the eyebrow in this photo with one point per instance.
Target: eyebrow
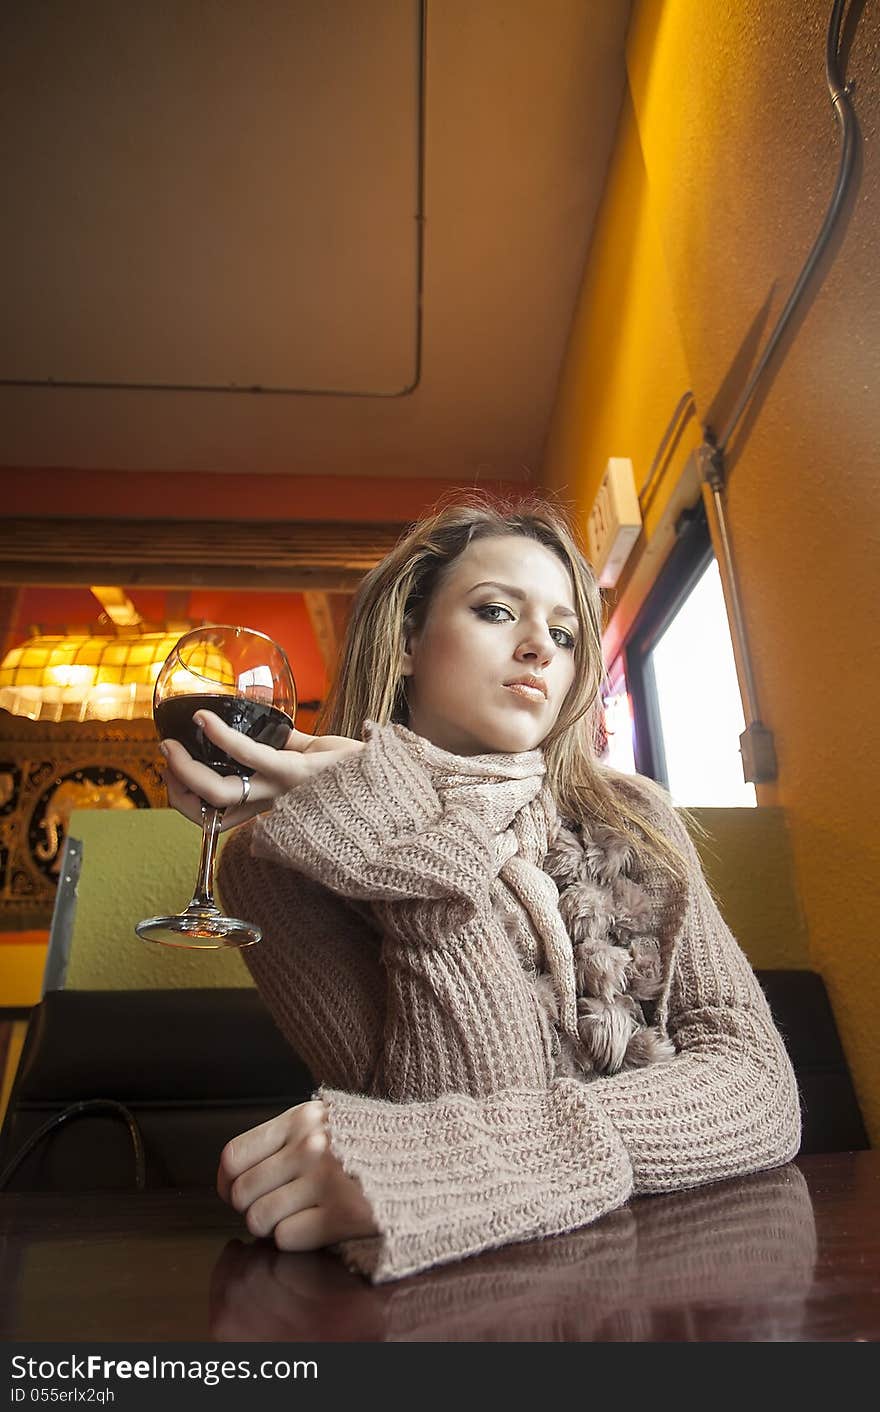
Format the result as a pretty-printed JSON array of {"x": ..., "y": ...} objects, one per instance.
[{"x": 518, "y": 593}]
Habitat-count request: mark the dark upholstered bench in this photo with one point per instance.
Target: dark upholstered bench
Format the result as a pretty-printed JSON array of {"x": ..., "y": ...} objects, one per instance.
[
  {"x": 196, "y": 1067},
  {"x": 832, "y": 1121}
]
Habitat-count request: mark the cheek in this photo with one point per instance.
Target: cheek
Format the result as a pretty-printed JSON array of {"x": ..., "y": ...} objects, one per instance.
[
  {"x": 567, "y": 679},
  {"x": 454, "y": 647},
  {"x": 441, "y": 663}
]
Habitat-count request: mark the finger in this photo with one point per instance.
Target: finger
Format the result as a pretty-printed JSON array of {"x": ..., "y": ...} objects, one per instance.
[
  {"x": 236, "y": 743},
  {"x": 317, "y": 1225},
  {"x": 244, "y": 1152},
  {"x": 187, "y": 802},
  {"x": 191, "y": 807},
  {"x": 258, "y": 1143},
  {"x": 183, "y": 799},
  {"x": 307, "y": 1229},
  {"x": 292, "y": 1160},
  {"x": 221, "y": 791},
  {"x": 303, "y": 744},
  {"x": 265, "y": 1214},
  {"x": 301, "y": 740},
  {"x": 233, "y": 817}
]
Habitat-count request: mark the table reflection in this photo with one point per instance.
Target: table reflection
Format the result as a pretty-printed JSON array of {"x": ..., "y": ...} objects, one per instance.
[{"x": 732, "y": 1261}]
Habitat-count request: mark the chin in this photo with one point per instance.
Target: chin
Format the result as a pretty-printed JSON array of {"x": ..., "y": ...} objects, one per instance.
[
  {"x": 514, "y": 739},
  {"x": 505, "y": 737},
  {"x": 530, "y": 742}
]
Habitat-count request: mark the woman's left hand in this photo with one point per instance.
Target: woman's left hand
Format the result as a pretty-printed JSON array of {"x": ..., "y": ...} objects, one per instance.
[{"x": 288, "y": 1183}]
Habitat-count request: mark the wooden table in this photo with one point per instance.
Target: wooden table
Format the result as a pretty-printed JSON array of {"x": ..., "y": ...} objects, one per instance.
[{"x": 788, "y": 1255}]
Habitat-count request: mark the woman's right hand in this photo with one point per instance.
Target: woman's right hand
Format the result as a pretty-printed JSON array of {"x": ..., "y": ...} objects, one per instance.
[
  {"x": 190, "y": 783},
  {"x": 288, "y": 1183}
]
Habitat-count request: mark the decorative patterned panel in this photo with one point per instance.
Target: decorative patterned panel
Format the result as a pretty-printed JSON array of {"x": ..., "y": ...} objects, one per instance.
[{"x": 46, "y": 771}]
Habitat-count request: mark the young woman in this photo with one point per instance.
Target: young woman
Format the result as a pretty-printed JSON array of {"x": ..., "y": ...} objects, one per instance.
[{"x": 498, "y": 957}]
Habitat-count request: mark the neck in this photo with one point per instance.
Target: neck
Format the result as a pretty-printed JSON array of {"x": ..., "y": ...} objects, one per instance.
[{"x": 488, "y": 764}]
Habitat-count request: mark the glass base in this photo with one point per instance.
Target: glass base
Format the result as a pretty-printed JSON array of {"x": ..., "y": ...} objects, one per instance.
[{"x": 199, "y": 931}]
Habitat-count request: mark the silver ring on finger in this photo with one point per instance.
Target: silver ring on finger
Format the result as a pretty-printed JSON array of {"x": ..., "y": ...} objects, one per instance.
[{"x": 245, "y": 790}]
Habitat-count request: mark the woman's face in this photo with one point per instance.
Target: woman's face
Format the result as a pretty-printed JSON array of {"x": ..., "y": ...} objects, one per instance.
[{"x": 504, "y": 612}]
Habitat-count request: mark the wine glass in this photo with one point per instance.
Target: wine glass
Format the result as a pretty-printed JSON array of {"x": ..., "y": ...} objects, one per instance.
[{"x": 244, "y": 678}]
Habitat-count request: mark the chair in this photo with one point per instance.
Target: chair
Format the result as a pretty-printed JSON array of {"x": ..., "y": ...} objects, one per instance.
[
  {"x": 192, "y": 1068},
  {"x": 170, "y": 1047}
]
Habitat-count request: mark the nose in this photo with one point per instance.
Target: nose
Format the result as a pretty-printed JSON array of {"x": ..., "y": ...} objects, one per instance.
[{"x": 536, "y": 648}]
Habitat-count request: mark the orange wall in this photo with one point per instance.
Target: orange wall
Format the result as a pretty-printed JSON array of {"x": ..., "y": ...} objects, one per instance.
[
  {"x": 280, "y": 615},
  {"x": 57, "y": 609}
]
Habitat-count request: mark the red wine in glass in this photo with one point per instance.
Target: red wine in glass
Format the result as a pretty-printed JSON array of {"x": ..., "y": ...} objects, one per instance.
[
  {"x": 266, "y": 724},
  {"x": 245, "y": 678}
]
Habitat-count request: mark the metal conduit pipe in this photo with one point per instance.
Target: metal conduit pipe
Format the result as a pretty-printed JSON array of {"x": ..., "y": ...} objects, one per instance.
[{"x": 756, "y": 742}]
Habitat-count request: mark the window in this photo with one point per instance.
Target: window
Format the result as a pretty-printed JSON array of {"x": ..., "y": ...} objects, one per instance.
[
  {"x": 687, "y": 709},
  {"x": 617, "y": 719}
]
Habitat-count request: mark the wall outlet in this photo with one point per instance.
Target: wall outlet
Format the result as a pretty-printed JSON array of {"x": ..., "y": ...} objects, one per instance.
[{"x": 615, "y": 521}]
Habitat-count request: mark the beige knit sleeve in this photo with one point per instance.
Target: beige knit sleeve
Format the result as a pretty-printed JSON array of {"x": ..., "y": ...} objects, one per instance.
[
  {"x": 317, "y": 968},
  {"x": 458, "y": 1175},
  {"x": 728, "y": 1103},
  {"x": 461, "y": 1013},
  {"x": 457, "y": 1010},
  {"x": 373, "y": 827}
]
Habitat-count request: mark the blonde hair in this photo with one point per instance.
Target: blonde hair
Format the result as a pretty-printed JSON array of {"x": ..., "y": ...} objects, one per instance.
[{"x": 394, "y": 598}]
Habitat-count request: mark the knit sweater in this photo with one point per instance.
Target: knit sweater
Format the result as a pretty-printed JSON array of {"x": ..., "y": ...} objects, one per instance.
[{"x": 454, "y": 1050}]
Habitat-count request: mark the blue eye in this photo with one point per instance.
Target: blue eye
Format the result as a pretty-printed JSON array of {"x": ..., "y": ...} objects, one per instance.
[
  {"x": 489, "y": 608},
  {"x": 488, "y": 611}
]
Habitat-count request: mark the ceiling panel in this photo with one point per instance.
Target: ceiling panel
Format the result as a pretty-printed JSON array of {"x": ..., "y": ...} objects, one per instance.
[
  {"x": 208, "y": 198},
  {"x": 211, "y": 194}
]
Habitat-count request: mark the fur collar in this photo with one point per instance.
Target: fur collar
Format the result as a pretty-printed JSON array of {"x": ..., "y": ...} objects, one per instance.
[
  {"x": 573, "y": 905},
  {"x": 617, "y": 962}
]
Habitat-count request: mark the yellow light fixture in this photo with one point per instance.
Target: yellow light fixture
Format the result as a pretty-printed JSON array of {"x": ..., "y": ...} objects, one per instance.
[
  {"x": 117, "y": 605},
  {"x": 75, "y": 677}
]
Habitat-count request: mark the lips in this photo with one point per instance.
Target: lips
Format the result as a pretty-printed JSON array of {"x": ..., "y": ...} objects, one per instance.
[{"x": 529, "y": 688}]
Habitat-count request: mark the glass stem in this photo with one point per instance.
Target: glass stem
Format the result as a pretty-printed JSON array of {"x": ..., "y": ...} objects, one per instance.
[{"x": 203, "y": 897}]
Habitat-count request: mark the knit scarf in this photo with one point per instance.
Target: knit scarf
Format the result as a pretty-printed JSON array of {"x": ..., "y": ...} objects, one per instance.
[{"x": 570, "y": 901}]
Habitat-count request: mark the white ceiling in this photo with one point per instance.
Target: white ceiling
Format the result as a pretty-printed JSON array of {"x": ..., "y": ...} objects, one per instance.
[{"x": 208, "y": 196}]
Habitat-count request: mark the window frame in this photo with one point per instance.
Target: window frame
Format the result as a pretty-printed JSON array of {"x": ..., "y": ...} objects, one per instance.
[{"x": 690, "y": 557}]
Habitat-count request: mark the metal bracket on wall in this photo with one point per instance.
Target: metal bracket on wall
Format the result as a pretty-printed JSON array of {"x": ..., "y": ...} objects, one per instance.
[
  {"x": 756, "y": 742},
  {"x": 758, "y": 754},
  {"x": 61, "y": 930}
]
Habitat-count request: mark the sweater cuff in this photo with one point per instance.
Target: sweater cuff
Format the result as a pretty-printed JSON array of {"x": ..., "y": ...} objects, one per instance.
[
  {"x": 373, "y": 827},
  {"x": 457, "y": 1175}
]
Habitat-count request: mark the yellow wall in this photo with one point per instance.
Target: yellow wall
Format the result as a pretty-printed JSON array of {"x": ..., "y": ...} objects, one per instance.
[
  {"x": 142, "y": 865},
  {"x": 725, "y": 162},
  {"x": 625, "y": 367}
]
